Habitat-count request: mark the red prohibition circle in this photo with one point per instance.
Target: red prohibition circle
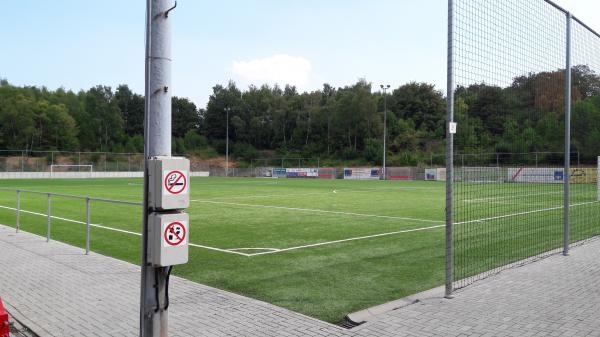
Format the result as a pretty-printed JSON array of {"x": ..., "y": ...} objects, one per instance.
[
  {"x": 170, "y": 229},
  {"x": 170, "y": 188}
]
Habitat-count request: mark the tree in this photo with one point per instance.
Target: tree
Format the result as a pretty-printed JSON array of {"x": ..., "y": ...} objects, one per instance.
[
  {"x": 185, "y": 116},
  {"x": 132, "y": 110},
  {"x": 421, "y": 103}
]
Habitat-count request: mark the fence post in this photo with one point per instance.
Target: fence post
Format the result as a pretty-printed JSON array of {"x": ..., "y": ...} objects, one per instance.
[
  {"x": 87, "y": 226},
  {"x": 49, "y": 217},
  {"x": 567, "y": 155},
  {"x": 450, "y": 158},
  {"x": 18, "y": 210}
]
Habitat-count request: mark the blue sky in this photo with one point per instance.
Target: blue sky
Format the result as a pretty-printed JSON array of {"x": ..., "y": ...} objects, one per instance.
[{"x": 77, "y": 44}]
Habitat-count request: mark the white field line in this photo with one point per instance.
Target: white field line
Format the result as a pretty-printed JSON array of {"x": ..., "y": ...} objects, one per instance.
[
  {"x": 252, "y": 248},
  {"x": 409, "y": 230},
  {"x": 121, "y": 230},
  {"x": 270, "y": 196},
  {"x": 510, "y": 196},
  {"x": 347, "y": 240},
  {"x": 523, "y": 213},
  {"x": 317, "y": 211},
  {"x": 386, "y": 189},
  {"x": 277, "y": 250}
]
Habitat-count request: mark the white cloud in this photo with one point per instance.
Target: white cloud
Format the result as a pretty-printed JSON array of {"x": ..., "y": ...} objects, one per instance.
[{"x": 281, "y": 69}]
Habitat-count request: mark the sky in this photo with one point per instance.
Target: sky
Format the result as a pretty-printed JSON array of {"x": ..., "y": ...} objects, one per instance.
[{"x": 77, "y": 44}]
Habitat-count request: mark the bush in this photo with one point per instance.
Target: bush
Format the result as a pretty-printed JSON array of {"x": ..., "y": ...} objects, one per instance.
[
  {"x": 245, "y": 151},
  {"x": 135, "y": 144},
  {"x": 349, "y": 153},
  {"x": 219, "y": 145},
  {"x": 373, "y": 151},
  {"x": 194, "y": 141},
  {"x": 177, "y": 146}
]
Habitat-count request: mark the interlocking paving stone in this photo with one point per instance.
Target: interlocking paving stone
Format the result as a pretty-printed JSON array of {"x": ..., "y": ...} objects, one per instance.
[{"x": 58, "y": 291}]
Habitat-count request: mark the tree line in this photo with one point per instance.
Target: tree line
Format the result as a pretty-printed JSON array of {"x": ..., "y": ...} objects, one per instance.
[{"x": 334, "y": 124}]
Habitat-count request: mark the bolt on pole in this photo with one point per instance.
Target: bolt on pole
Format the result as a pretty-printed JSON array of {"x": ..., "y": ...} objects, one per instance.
[{"x": 157, "y": 142}]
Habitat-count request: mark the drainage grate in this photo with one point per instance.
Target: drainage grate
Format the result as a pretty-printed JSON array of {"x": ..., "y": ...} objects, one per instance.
[{"x": 348, "y": 323}]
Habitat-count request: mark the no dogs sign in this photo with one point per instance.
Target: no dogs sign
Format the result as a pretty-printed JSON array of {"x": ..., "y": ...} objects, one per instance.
[
  {"x": 175, "y": 182},
  {"x": 174, "y": 233}
]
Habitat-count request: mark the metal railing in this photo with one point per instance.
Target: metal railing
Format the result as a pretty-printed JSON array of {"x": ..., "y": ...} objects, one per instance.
[{"x": 49, "y": 216}]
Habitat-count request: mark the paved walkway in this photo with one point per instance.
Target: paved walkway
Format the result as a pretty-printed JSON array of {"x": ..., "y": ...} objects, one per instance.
[{"x": 57, "y": 291}]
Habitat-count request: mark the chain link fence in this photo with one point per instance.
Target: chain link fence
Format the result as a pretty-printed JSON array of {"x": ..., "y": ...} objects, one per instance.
[
  {"x": 524, "y": 92},
  {"x": 68, "y": 161}
]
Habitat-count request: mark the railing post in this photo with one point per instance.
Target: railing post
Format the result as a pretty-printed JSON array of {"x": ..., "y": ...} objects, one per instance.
[
  {"x": 49, "y": 217},
  {"x": 87, "y": 226},
  {"x": 18, "y": 225}
]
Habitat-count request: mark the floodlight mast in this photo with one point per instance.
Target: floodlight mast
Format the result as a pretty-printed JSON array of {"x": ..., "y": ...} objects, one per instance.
[
  {"x": 385, "y": 88},
  {"x": 157, "y": 142}
]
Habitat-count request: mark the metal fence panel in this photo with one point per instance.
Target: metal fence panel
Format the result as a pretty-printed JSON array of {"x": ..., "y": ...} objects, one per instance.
[{"x": 512, "y": 84}]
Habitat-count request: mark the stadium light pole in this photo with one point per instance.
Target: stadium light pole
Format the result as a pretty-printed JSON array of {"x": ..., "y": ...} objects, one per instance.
[
  {"x": 227, "y": 143},
  {"x": 385, "y": 88}
]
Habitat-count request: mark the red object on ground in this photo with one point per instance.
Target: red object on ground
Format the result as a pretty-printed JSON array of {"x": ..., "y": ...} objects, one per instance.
[{"x": 4, "y": 328}]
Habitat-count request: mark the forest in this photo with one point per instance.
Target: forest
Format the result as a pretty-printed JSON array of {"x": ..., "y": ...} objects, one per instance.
[{"x": 334, "y": 124}]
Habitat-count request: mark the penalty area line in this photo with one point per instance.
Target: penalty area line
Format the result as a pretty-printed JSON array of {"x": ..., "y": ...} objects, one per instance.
[
  {"x": 346, "y": 240},
  {"x": 317, "y": 211},
  {"x": 121, "y": 230},
  {"x": 524, "y": 213}
]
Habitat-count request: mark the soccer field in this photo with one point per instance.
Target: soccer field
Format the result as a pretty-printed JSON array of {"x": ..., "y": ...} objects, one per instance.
[{"x": 324, "y": 248}]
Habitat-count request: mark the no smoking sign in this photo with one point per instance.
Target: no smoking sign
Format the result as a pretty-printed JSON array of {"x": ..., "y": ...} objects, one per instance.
[{"x": 175, "y": 182}]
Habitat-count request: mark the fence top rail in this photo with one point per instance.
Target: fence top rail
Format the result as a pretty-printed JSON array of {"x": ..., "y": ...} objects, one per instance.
[
  {"x": 555, "y": 5},
  {"x": 74, "y": 196}
]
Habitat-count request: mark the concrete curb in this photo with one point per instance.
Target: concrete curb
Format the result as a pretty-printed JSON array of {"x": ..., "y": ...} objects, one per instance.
[{"x": 373, "y": 313}]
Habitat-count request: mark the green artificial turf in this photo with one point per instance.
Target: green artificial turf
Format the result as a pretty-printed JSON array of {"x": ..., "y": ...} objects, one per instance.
[{"x": 324, "y": 281}]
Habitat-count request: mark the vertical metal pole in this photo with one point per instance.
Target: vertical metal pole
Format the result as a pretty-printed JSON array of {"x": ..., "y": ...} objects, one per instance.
[
  {"x": 49, "y": 217},
  {"x": 22, "y": 161},
  {"x": 567, "y": 170},
  {"x": 227, "y": 145},
  {"x": 157, "y": 142},
  {"x": 18, "y": 210},
  {"x": 450, "y": 157},
  {"x": 87, "y": 226},
  {"x": 384, "y": 129}
]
